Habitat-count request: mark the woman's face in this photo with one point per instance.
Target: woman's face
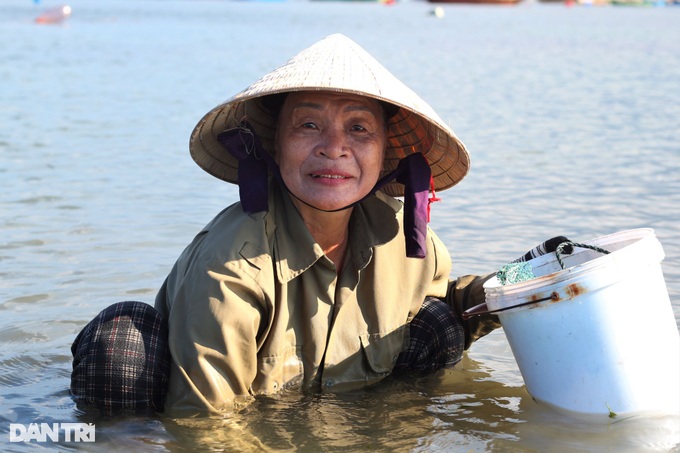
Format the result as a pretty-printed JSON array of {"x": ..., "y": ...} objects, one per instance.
[{"x": 330, "y": 147}]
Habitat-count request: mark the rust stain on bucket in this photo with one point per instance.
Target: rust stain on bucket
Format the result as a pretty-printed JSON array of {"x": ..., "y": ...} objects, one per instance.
[{"x": 574, "y": 289}]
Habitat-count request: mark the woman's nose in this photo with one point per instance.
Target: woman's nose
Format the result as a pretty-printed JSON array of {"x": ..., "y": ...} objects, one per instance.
[{"x": 334, "y": 144}]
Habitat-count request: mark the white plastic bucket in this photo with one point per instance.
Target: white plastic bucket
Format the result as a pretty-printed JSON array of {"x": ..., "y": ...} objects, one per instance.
[{"x": 601, "y": 338}]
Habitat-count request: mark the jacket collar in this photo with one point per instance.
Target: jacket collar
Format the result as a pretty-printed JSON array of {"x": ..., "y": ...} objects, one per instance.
[{"x": 373, "y": 223}]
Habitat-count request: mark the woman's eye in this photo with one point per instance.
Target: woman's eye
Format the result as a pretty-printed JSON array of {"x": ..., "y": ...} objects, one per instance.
[
  {"x": 358, "y": 128},
  {"x": 309, "y": 125}
]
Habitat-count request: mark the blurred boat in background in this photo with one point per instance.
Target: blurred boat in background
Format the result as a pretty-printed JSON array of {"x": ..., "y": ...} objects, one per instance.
[
  {"x": 485, "y": 2},
  {"x": 54, "y": 15}
]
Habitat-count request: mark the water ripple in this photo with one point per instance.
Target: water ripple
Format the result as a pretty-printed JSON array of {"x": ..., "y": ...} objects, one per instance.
[
  {"x": 32, "y": 298},
  {"x": 19, "y": 370}
]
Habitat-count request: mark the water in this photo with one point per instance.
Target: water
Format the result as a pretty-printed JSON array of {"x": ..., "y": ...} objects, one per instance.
[{"x": 570, "y": 115}]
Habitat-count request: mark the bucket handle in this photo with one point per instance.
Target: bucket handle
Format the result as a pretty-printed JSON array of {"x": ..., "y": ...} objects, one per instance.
[
  {"x": 558, "y": 250},
  {"x": 482, "y": 309}
]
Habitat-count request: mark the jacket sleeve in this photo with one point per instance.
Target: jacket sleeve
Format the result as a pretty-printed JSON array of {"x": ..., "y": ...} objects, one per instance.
[
  {"x": 466, "y": 292},
  {"x": 214, "y": 314}
]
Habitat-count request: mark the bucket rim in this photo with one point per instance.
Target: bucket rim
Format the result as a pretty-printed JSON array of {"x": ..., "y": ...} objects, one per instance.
[{"x": 541, "y": 289}]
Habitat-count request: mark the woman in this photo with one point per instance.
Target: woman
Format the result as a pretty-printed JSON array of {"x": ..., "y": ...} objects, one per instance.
[{"x": 318, "y": 279}]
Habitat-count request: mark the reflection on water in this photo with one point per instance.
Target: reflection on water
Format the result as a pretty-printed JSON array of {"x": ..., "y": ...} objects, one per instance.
[
  {"x": 570, "y": 115},
  {"x": 456, "y": 410}
]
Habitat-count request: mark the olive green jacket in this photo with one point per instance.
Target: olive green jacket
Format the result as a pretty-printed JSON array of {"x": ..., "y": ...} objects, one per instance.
[{"x": 254, "y": 305}]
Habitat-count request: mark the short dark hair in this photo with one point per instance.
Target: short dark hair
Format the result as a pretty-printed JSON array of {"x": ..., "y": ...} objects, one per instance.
[{"x": 274, "y": 102}]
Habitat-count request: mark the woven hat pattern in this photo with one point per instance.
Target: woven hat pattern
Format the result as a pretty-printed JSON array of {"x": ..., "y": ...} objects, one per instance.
[{"x": 338, "y": 64}]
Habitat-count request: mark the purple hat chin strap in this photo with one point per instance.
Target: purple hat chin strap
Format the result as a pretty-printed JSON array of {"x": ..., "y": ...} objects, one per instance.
[
  {"x": 414, "y": 173},
  {"x": 254, "y": 162}
]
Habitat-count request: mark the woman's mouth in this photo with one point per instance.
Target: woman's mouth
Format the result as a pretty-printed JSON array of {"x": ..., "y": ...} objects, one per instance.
[
  {"x": 316, "y": 176},
  {"x": 329, "y": 174}
]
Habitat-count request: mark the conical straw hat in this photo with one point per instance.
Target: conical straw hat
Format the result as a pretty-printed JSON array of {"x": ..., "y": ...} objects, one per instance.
[{"x": 338, "y": 64}]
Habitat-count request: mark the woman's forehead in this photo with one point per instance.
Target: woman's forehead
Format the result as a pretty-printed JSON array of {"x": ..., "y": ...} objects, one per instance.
[{"x": 319, "y": 98}]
